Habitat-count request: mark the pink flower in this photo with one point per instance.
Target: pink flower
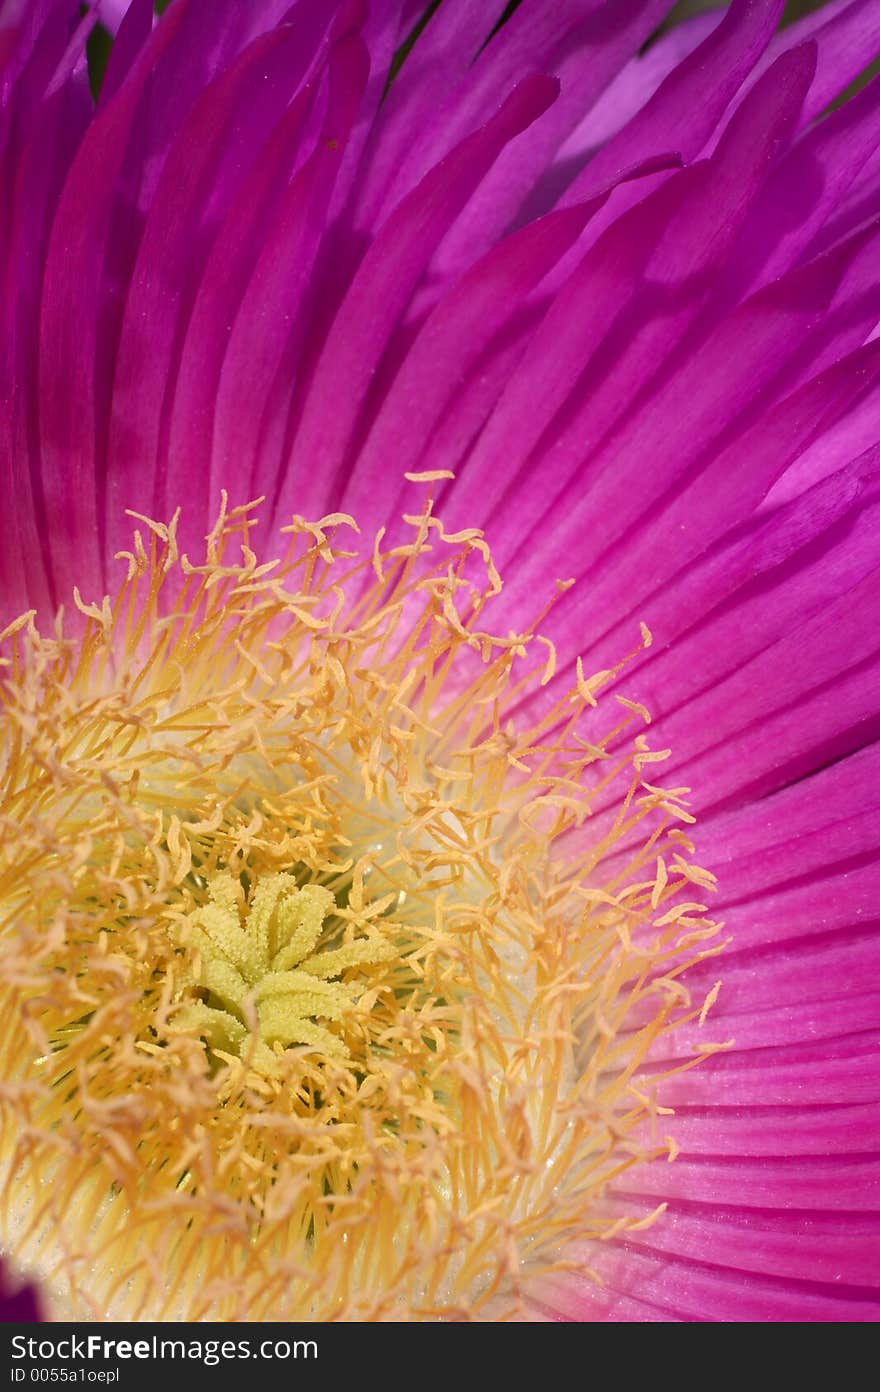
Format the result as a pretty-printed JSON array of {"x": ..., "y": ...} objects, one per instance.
[{"x": 610, "y": 298}]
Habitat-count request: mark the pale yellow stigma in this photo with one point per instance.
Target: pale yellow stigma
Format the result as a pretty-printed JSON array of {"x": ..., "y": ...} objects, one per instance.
[
  {"x": 265, "y": 971},
  {"x": 333, "y": 958}
]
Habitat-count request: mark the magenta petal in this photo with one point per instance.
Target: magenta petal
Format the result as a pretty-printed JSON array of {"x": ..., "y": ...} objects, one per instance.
[
  {"x": 676, "y": 282},
  {"x": 627, "y": 94},
  {"x": 835, "y": 646},
  {"x": 844, "y": 1075},
  {"x": 564, "y": 342},
  {"x": 18, "y": 1304},
  {"x": 42, "y": 42},
  {"x": 832, "y": 899},
  {"x": 449, "y": 345},
  {"x": 206, "y": 166},
  {"x": 223, "y": 284},
  {"x": 850, "y": 436},
  {"x": 759, "y": 613},
  {"x": 817, "y": 173},
  {"x": 786, "y": 324},
  {"x": 530, "y": 42},
  {"x": 35, "y": 185},
  {"x": 801, "y": 1183},
  {"x": 593, "y": 53},
  {"x": 73, "y": 277},
  {"x": 776, "y": 1131},
  {"x": 112, "y": 13},
  {"x": 380, "y": 292},
  {"x": 382, "y": 29},
  {"x": 675, "y": 1289},
  {"x": 682, "y": 114},
  {"x": 717, "y": 499},
  {"x": 796, "y": 1260},
  {"x": 135, "y": 28},
  {"x": 805, "y": 827},
  {"x": 267, "y": 336},
  {"x": 438, "y": 63},
  {"x": 846, "y": 31}
]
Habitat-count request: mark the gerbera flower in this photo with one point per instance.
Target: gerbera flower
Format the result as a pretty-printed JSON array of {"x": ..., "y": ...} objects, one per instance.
[{"x": 451, "y": 437}]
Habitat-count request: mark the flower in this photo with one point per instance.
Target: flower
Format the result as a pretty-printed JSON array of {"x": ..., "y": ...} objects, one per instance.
[{"x": 358, "y": 960}]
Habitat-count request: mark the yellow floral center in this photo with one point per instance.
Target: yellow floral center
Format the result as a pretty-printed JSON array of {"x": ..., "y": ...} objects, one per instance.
[
  {"x": 330, "y": 974},
  {"x": 268, "y": 962}
]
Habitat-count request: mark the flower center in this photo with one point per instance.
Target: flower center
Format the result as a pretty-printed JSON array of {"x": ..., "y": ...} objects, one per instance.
[
  {"x": 329, "y": 972},
  {"x": 269, "y": 963}
]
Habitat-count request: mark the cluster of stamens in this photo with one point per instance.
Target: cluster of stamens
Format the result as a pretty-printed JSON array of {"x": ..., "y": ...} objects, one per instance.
[{"x": 329, "y": 986}]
